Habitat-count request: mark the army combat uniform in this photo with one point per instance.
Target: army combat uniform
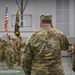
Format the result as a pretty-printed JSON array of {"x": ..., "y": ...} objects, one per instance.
[
  {"x": 42, "y": 55},
  {"x": 18, "y": 53},
  {"x": 1, "y": 51},
  {"x": 9, "y": 54},
  {"x": 73, "y": 57}
]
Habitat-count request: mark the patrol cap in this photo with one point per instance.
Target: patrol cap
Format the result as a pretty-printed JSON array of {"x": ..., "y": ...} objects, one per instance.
[{"x": 46, "y": 18}]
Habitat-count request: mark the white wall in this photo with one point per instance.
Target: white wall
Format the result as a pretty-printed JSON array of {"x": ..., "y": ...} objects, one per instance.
[
  {"x": 45, "y": 6},
  {"x": 35, "y": 8}
]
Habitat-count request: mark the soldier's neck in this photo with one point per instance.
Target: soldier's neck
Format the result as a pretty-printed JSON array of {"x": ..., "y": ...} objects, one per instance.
[{"x": 46, "y": 25}]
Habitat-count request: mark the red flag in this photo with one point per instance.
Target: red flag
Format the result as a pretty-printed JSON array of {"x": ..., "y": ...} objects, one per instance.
[{"x": 6, "y": 20}]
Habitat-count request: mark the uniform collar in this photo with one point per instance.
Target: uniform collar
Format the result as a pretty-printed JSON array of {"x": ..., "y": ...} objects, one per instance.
[{"x": 46, "y": 27}]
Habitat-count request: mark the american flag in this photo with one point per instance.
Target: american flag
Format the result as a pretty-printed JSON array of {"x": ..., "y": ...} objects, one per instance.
[{"x": 6, "y": 20}]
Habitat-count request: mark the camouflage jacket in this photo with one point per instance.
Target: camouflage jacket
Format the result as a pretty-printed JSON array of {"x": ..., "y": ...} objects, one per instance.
[
  {"x": 73, "y": 58},
  {"x": 42, "y": 55}
]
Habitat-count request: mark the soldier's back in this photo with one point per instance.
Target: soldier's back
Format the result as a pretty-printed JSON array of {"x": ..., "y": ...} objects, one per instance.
[{"x": 45, "y": 45}]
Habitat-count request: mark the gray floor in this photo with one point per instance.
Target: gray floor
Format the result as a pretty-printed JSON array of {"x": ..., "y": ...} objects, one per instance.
[
  {"x": 66, "y": 62},
  {"x": 67, "y": 65}
]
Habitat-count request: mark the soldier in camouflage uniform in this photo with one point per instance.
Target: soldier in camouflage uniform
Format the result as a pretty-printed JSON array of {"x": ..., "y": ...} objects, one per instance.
[
  {"x": 1, "y": 50},
  {"x": 42, "y": 55},
  {"x": 73, "y": 54},
  {"x": 18, "y": 52},
  {"x": 15, "y": 50},
  {"x": 9, "y": 53},
  {"x": 22, "y": 50}
]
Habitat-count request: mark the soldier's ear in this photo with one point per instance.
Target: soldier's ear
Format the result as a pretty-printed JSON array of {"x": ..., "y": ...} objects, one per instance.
[{"x": 40, "y": 24}]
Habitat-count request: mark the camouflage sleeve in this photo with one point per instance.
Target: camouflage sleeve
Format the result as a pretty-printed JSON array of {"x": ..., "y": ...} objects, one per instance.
[
  {"x": 73, "y": 58},
  {"x": 26, "y": 60},
  {"x": 65, "y": 45},
  {"x": 73, "y": 63}
]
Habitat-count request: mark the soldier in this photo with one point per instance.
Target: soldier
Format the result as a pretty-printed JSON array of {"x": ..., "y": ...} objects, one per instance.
[
  {"x": 18, "y": 51},
  {"x": 9, "y": 53},
  {"x": 1, "y": 50},
  {"x": 73, "y": 54},
  {"x": 42, "y": 55},
  {"x": 22, "y": 50},
  {"x": 15, "y": 50}
]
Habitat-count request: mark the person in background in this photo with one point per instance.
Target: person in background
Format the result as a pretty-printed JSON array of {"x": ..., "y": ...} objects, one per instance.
[
  {"x": 1, "y": 50},
  {"x": 73, "y": 56},
  {"x": 42, "y": 54},
  {"x": 9, "y": 52},
  {"x": 18, "y": 51}
]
